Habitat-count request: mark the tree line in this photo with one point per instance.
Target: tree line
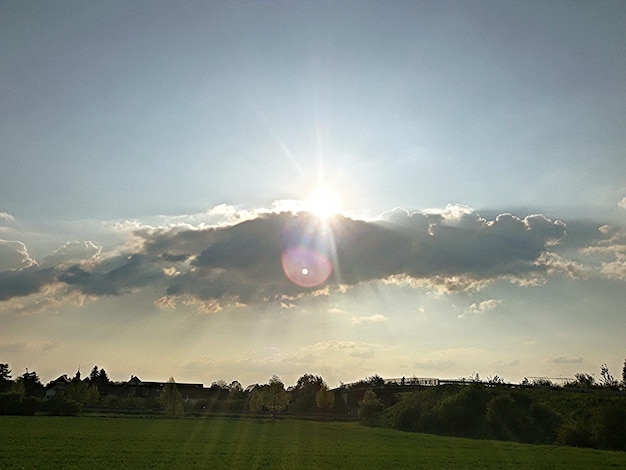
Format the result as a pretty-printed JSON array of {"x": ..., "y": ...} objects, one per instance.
[
  {"x": 583, "y": 412},
  {"x": 26, "y": 394},
  {"x": 534, "y": 411}
]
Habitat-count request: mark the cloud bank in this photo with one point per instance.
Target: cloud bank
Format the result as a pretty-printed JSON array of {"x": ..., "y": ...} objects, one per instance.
[{"x": 286, "y": 256}]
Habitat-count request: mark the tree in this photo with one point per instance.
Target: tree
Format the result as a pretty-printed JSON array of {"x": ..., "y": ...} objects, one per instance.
[
  {"x": 371, "y": 408},
  {"x": 375, "y": 380},
  {"x": 606, "y": 379},
  {"x": 5, "y": 378},
  {"x": 624, "y": 374},
  {"x": 271, "y": 397},
  {"x": 235, "y": 390},
  {"x": 171, "y": 399},
  {"x": 100, "y": 379},
  {"x": 276, "y": 398},
  {"x": 581, "y": 381},
  {"x": 325, "y": 398},
  {"x": 308, "y": 383},
  {"x": 303, "y": 394},
  {"x": 80, "y": 392},
  {"x": 31, "y": 383},
  {"x": 256, "y": 400}
]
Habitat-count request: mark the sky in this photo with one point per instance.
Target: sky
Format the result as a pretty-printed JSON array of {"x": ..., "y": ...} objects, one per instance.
[{"x": 231, "y": 190}]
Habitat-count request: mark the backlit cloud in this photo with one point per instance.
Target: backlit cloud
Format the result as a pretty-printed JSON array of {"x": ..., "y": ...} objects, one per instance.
[
  {"x": 14, "y": 256},
  {"x": 290, "y": 255}
]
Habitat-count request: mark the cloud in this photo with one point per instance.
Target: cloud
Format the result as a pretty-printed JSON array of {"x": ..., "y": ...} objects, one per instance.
[
  {"x": 14, "y": 256},
  {"x": 622, "y": 203},
  {"x": 18, "y": 346},
  {"x": 73, "y": 253},
  {"x": 6, "y": 216},
  {"x": 376, "y": 318},
  {"x": 566, "y": 360},
  {"x": 290, "y": 255},
  {"x": 481, "y": 307},
  {"x": 484, "y": 306}
]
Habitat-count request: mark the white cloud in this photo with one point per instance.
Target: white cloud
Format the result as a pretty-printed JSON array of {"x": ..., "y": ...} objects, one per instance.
[
  {"x": 478, "y": 308},
  {"x": 615, "y": 269},
  {"x": 622, "y": 203},
  {"x": 376, "y": 318},
  {"x": 6, "y": 216}
]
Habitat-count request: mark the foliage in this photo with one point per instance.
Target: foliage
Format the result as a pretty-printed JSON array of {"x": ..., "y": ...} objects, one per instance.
[
  {"x": 624, "y": 374},
  {"x": 235, "y": 391},
  {"x": 606, "y": 379},
  {"x": 371, "y": 408},
  {"x": 545, "y": 422},
  {"x": 256, "y": 400},
  {"x": 304, "y": 394},
  {"x": 582, "y": 380},
  {"x": 62, "y": 406},
  {"x": 325, "y": 398},
  {"x": 271, "y": 397},
  {"x": 79, "y": 392},
  {"x": 461, "y": 412},
  {"x": 99, "y": 443},
  {"x": 608, "y": 426},
  {"x": 575, "y": 433},
  {"x": 99, "y": 379},
  {"x": 527, "y": 415},
  {"x": 5, "y": 378},
  {"x": 171, "y": 399},
  {"x": 32, "y": 385},
  {"x": 506, "y": 419},
  {"x": 542, "y": 382},
  {"x": 275, "y": 397}
]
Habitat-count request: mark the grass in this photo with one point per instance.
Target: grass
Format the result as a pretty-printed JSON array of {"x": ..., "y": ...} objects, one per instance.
[{"x": 92, "y": 442}]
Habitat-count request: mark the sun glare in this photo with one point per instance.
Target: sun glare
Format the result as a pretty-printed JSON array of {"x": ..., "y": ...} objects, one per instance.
[{"x": 323, "y": 201}]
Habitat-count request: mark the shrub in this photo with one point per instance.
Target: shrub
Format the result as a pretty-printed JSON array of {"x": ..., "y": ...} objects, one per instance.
[
  {"x": 546, "y": 423},
  {"x": 62, "y": 406},
  {"x": 575, "y": 433},
  {"x": 608, "y": 427},
  {"x": 371, "y": 408},
  {"x": 506, "y": 419}
]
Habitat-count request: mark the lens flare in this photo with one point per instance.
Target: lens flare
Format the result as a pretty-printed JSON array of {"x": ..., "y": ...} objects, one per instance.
[{"x": 306, "y": 267}]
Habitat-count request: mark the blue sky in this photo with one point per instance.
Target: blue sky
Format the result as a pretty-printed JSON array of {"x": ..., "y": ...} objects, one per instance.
[{"x": 136, "y": 139}]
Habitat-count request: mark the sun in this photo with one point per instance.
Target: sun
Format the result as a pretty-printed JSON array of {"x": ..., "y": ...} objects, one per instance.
[{"x": 323, "y": 201}]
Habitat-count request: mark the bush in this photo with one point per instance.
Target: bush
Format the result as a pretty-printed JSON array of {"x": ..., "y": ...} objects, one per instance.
[
  {"x": 461, "y": 413},
  {"x": 11, "y": 403},
  {"x": 506, "y": 419},
  {"x": 608, "y": 427},
  {"x": 546, "y": 423},
  {"x": 371, "y": 409},
  {"x": 62, "y": 406},
  {"x": 575, "y": 433}
]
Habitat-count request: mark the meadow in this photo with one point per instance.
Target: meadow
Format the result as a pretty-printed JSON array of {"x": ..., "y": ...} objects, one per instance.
[{"x": 123, "y": 442}]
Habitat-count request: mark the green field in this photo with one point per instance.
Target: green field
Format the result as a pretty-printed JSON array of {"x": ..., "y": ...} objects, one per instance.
[{"x": 91, "y": 442}]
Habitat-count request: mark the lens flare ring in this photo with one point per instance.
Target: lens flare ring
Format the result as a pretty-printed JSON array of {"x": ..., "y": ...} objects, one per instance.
[{"x": 306, "y": 267}]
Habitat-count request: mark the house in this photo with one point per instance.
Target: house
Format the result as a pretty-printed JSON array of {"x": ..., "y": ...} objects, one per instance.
[{"x": 56, "y": 386}]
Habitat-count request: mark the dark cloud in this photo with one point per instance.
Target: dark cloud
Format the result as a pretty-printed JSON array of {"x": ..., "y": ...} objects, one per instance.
[
  {"x": 286, "y": 254},
  {"x": 24, "y": 282}
]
